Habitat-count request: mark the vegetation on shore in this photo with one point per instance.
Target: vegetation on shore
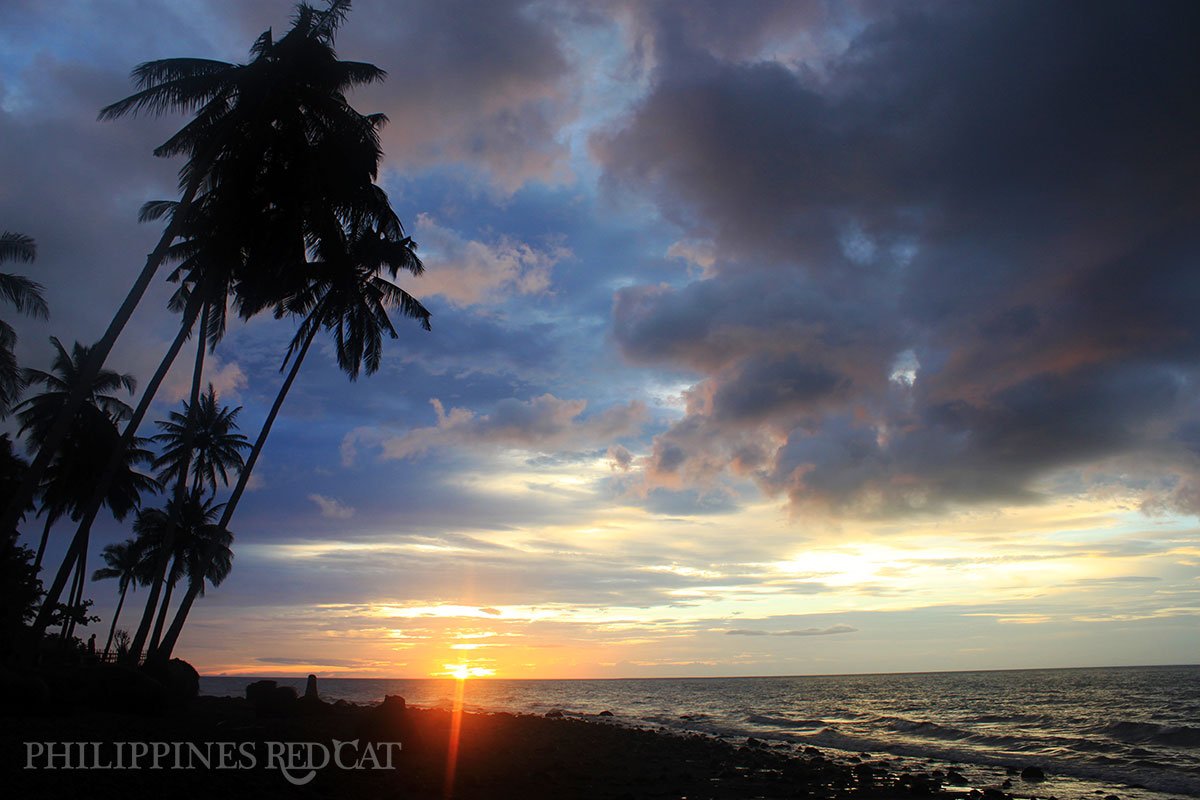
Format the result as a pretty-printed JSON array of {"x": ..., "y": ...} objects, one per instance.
[{"x": 278, "y": 213}]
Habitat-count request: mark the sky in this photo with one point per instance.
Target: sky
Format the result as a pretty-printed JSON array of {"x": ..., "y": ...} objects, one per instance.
[{"x": 769, "y": 338}]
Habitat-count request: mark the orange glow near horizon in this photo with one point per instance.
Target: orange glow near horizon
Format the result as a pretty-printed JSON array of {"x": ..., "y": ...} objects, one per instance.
[{"x": 455, "y": 728}]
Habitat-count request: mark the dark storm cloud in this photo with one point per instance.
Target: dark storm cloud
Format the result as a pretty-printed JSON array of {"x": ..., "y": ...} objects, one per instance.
[{"x": 946, "y": 260}]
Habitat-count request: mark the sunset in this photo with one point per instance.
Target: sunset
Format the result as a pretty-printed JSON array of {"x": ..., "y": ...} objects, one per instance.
[{"x": 506, "y": 355}]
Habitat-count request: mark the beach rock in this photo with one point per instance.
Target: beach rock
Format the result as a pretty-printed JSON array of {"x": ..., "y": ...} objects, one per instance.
[
  {"x": 1007, "y": 783},
  {"x": 311, "y": 702},
  {"x": 258, "y": 690},
  {"x": 554, "y": 713},
  {"x": 752, "y": 742},
  {"x": 270, "y": 699},
  {"x": 605, "y": 714},
  {"x": 955, "y": 777},
  {"x": 1033, "y": 774},
  {"x": 994, "y": 794},
  {"x": 182, "y": 681},
  {"x": 389, "y": 722}
]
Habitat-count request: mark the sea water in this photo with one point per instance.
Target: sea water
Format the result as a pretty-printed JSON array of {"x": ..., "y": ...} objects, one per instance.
[{"x": 1130, "y": 731}]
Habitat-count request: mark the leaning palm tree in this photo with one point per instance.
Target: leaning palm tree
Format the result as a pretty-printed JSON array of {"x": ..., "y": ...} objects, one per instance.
[
  {"x": 165, "y": 535},
  {"x": 204, "y": 436},
  {"x": 271, "y": 134},
  {"x": 209, "y": 557},
  {"x": 347, "y": 295},
  {"x": 26, "y": 297},
  {"x": 122, "y": 561}
]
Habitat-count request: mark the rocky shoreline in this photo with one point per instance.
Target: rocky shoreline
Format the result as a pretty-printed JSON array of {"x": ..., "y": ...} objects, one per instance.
[{"x": 273, "y": 743}]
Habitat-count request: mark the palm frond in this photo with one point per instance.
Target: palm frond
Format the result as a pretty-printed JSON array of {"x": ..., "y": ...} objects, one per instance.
[{"x": 17, "y": 247}]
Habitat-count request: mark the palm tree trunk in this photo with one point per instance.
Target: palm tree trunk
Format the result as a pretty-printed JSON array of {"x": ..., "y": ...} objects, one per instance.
[
  {"x": 110, "y": 470},
  {"x": 244, "y": 476},
  {"x": 112, "y": 629},
  {"x": 156, "y": 637},
  {"x": 80, "y": 581},
  {"x": 65, "y": 633},
  {"x": 168, "y": 643},
  {"x": 21, "y": 498},
  {"x": 37, "y": 562},
  {"x": 168, "y": 544},
  {"x": 163, "y": 654}
]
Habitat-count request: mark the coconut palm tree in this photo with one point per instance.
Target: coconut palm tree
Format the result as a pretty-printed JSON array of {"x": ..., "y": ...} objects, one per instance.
[
  {"x": 271, "y": 134},
  {"x": 204, "y": 436},
  {"x": 93, "y": 441},
  {"x": 122, "y": 561},
  {"x": 165, "y": 535},
  {"x": 38, "y": 413},
  {"x": 209, "y": 435},
  {"x": 347, "y": 295},
  {"x": 209, "y": 557},
  {"x": 26, "y": 296}
]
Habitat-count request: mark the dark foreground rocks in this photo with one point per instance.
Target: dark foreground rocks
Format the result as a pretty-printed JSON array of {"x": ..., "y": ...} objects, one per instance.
[{"x": 496, "y": 756}]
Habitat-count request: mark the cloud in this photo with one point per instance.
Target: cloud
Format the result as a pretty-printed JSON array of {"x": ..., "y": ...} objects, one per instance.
[
  {"x": 470, "y": 272},
  {"x": 480, "y": 85},
  {"x": 541, "y": 423},
  {"x": 331, "y": 508},
  {"x": 933, "y": 275},
  {"x": 317, "y": 662},
  {"x": 832, "y": 629}
]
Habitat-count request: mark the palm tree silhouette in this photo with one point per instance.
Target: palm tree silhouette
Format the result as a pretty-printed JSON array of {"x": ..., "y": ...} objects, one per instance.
[
  {"x": 208, "y": 557},
  {"x": 347, "y": 295},
  {"x": 38, "y": 413},
  {"x": 271, "y": 135},
  {"x": 204, "y": 436},
  {"x": 122, "y": 561},
  {"x": 93, "y": 441},
  {"x": 26, "y": 296},
  {"x": 207, "y": 437},
  {"x": 165, "y": 535}
]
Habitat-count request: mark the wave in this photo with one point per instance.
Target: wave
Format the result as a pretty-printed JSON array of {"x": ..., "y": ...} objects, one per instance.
[
  {"x": 1147, "y": 732},
  {"x": 785, "y": 722}
]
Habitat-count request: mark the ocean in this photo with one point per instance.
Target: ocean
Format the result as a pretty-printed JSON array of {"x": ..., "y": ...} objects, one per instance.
[{"x": 1129, "y": 731}]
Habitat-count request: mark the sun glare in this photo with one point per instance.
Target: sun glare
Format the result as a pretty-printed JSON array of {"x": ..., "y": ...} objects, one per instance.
[{"x": 461, "y": 672}]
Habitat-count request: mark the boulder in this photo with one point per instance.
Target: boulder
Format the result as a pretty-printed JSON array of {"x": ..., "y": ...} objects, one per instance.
[
  {"x": 270, "y": 699},
  {"x": 1033, "y": 774},
  {"x": 388, "y": 722},
  {"x": 182, "y": 681},
  {"x": 605, "y": 714}
]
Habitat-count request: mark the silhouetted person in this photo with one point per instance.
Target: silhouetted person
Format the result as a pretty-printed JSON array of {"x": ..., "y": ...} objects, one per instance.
[{"x": 92, "y": 645}]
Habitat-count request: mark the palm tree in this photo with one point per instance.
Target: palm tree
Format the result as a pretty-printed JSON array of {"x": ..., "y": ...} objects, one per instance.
[
  {"x": 26, "y": 296},
  {"x": 204, "y": 436},
  {"x": 38, "y": 413},
  {"x": 208, "y": 435},
  {"x": 273, "y": 134},
  {"x": 209, "y": 557},
  {"x": 165, "y": 535},
  {"x": 93, "y": 442},
  {"x": 122, "y": 561},
  {"x": 346, "y": 295}
]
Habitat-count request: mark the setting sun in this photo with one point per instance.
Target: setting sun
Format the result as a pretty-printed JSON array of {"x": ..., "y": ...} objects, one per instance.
[{"x": 463, "y": 671}]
